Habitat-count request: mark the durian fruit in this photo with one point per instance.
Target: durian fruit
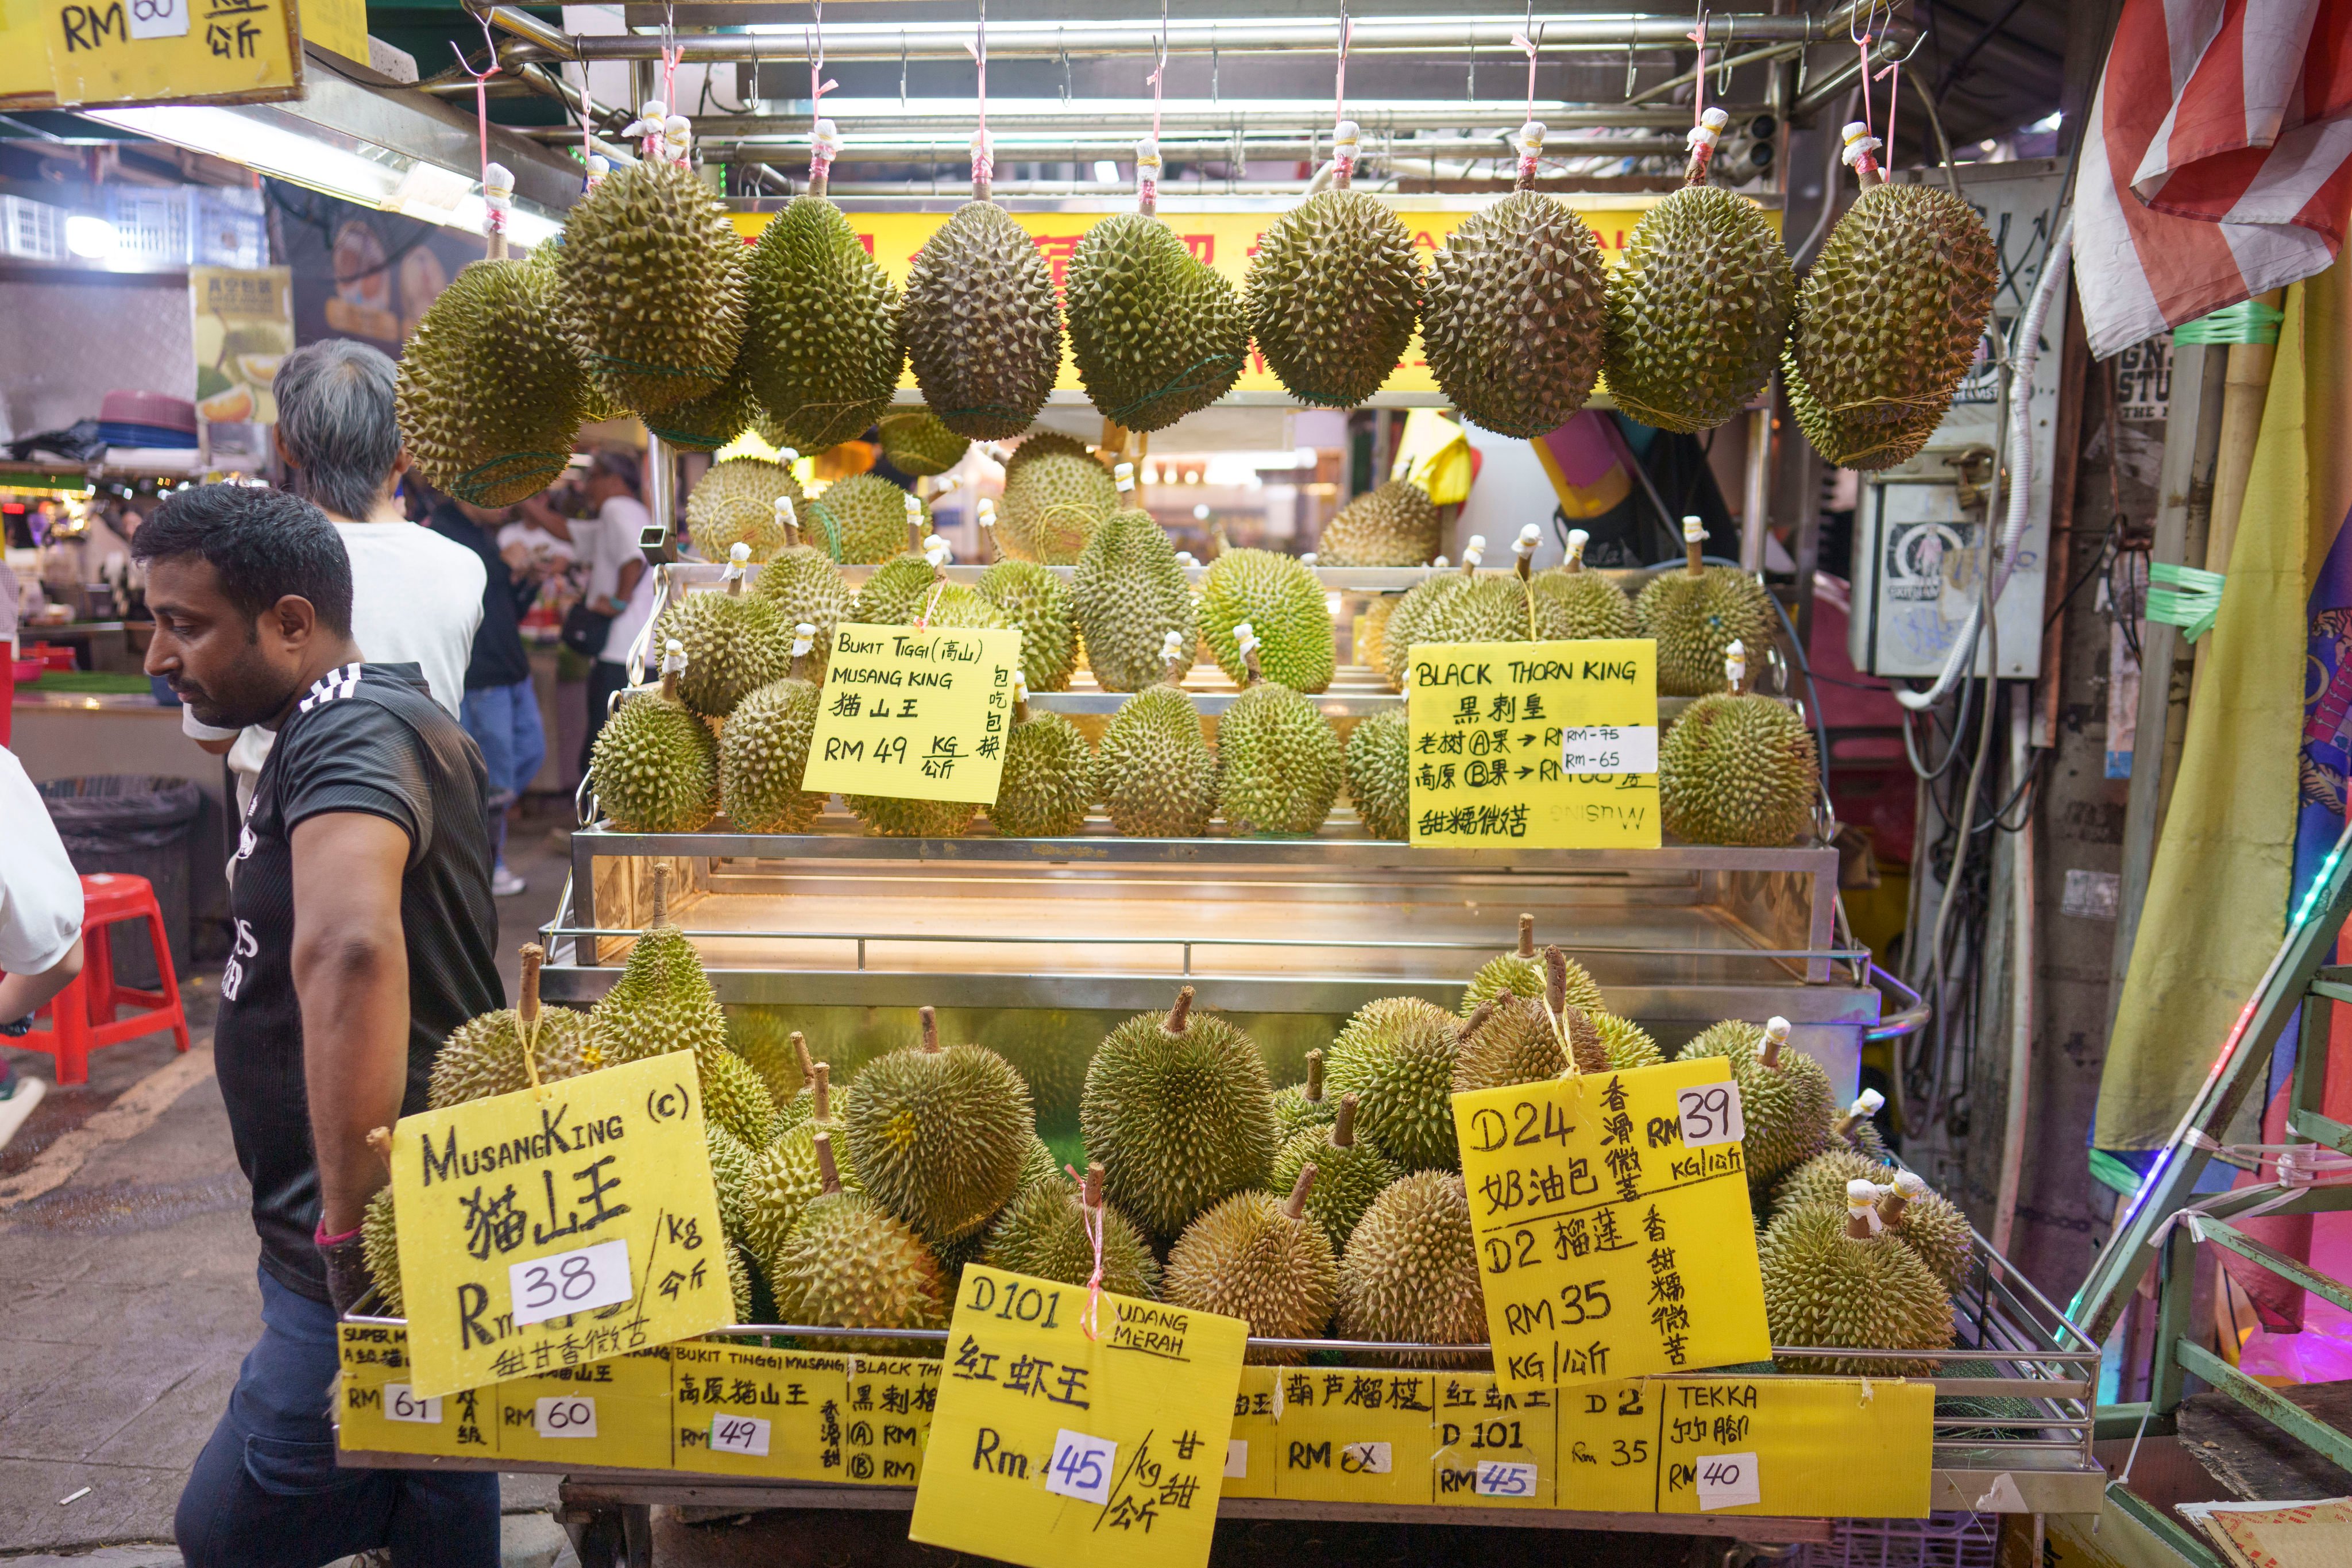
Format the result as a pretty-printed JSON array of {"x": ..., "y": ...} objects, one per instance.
[
  {"x": 1586, "y": 603},
  {"x": 1856, "y": 1129},
  {"x": 1833, "y": 1279},
  {"x": 804, "y": 585},
  {"x": 1396, "y": 1057},
  {"x": 491, "y": 392},
  {"x": 1521, "y": 971},
  {"x": 939, "y": 1135},
  {"x": 1259, "y": 1257},
  {"x": 1698, "y": 307},
  {"x": 1056, "y": 495},
  {"x": 1153, "y": 771},
  {"x": 782, "y": 1065},
  {"x": 820, "y": 323},
  {"x": 1737, "y": 769},
  {"x": 1130, "y": 596},
  {"x": 1932, "y": 1226},
  {"x": 1156, "y": 333},
  {"x": 1280, "y": 599},
  {"x": 1177, "y": 1111},
  {"x": 380, "y": 1249},
  {"x": 1784, "y": 1096},
  {"x": 1044, "y": 1232},
  {"x": 1279, "y": 761},
  {"x": 707, "y": 423},
  {"x": 734, "y": 642},
  {"x": 1454, "y": 607},
  {"x": 781, "y": 1179},
  {"x": 764, "y": 751},
  {"x": 649, "y": 281},
  {"x": 916, "y": 444},
  {"x": 1332, "y": 292},
  {"x": 895, "y": 594},
  {"x": 863, "y": 520},
  {"x": 739, "y": 1282},
  {"x": 512, "y": 1049},
  {"x": 1351, "y": 1171},
  {"x": 731, "y": 1175},
  {"x": 1696, "y": 614},
  {"x": 983, "y": 332},
  {"x": 1048, "y": 782},
  {"x": 1038, "y": 1165},
  {"x": 1372, "y": 630},
  {"x": 1627, "y": 1045},
  {"x": 1528, "y": 1040},
  {"x": 1823, "y": 1179},
  {"x": 1516, "y": 310},
  {"x": 654, "y": 766},
  {"x": 1411, "y": 1272},
  {"x": 1304, "y": 1105},
  {"x": 735, "y": 503},
  {"x": 1851, "y": 444},
  {"x": 1379, "y": 773},
  {"x": 1035, "y": 602},
  {"x": 1394, "y": 524},
  {"x": 887, "y": 817},
  {"x": 850, "y": 1263}
]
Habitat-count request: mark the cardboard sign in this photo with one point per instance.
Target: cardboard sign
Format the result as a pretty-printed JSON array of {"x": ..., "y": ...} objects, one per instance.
[
  {"x": 1804, "y": 1447},
  {"x": 1060, "y": 1441},
  {"x": 1533, "y": 745},
  {"x": 554, "y": 1227},
  {"x": 612, "y": 1412},
  {"x": 151, "y": 51},
  {"x": 1356, "y": 1435},
  {"x": 737, "y": 1410},
  {"x": 914, "y": 715},
  {"x": 1608, "y": 1248}
]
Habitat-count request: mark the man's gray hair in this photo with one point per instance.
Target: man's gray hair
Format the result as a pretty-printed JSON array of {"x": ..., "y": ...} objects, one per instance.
[{"x": 337, "y": 420}]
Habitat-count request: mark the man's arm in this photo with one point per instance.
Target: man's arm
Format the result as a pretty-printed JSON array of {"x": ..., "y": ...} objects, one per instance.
[
  {"x": 631, "y": 571},
  {"x": 350, "y": 976},
  {"x": 21, "y": 996}
]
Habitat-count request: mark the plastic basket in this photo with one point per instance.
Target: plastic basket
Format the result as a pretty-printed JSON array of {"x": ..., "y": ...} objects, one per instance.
[{"x": 1939, "y": 1541}]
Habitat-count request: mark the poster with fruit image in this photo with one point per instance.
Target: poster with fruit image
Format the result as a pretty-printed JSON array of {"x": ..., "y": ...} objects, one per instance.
[{"x": 245, "y": 325}]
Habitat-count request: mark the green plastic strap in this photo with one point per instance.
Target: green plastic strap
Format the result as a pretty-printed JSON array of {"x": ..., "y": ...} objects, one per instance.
[
  {"x": 2192, "y": 613},
  {"x": 2249, "y": 322},
  {"x": 2110, "y": 1172},
  {"x": 831, "y": 529},
  {"x": 2196, "y": 579},
  {"x": 1191, "y": 378}
]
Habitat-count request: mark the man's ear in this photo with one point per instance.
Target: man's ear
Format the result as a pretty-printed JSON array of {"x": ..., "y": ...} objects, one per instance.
[
  {"x": 278, "y": 440},
  {"x": 291, "y": 622}
]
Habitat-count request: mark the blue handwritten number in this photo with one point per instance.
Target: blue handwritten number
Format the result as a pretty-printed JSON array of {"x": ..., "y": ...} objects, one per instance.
[{"x": 1081, "y": 1469}]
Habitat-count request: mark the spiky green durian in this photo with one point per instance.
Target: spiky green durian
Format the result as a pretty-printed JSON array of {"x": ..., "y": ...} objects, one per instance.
[
  {"x": 897, "y": 592},
  {"x": 1177, "y": 1111},
  {"x": 863, "y": 520},
  {"x": 491, "y": 391},
  {"x": 939, "y": 1135},
  {"x": 1379, "y": 773},
  {"x": 1696, "y": 614},
  {"x": 1847, "y": 443},
  {"x": 1279, "y": 763},
  {"x": 1043, "y": 1233},
  {"x": 983, "y": 330},
  {"x": 1586, "y": 603},
  {"x": 916, "y": 444},
  {"x": 735, "y": 503},
  {"x": 1304, "y": 1105},
  {"x": 484, "y": 1056},
  {"x": 820, "y": 327},
  {"x": 1513, "y": 316},
  {"x": 1048, "y": 779},
  {"x": 1056, "y": 494},
  {"x": 1519, "y": 1043},
  {"x": 1037, "y": 603},
  {"x": 649, "y": 281},
  {"x": 1157, "y": 334},
  {"x": 1932, "y": 1226},
  {"x": 1282, "y": 602},
  {"x": 1396, "y": 1057},
  {"x": 707, "y": 423},
  {"x": 1410, "y": 1271},
  {"x": 777, "y": 1053},
  {"x": 736, "y": 1098},
  {"x": 1521, "y": 973},
  {"x": 1259, "y": 1257},
  {"x": 1153, "y": 772},
  {"x": 1696, "y": 310},
  {"x": 1331, "y": 296},
  {"x": 1394, "y": 524},
  {"x": 380, "y": 1249},
  {"x": 1349, "y": 1171},
  {"x": 654, "y": 766},
  {"x": 735, "y": 643},
  {"x": 1454, "y": 607},
  {"x": 781, "y": 1179},
  {"x": 806, "y": 586},
  {"x": 1784, "y": 1096},
  {"x": 1824, "y": 1178},
  {"x": 1825, "y": 1288},
  {"x": 763, "y": 752},
  {"x": 1129, "y": 593},
  {"x": 730, "y": 1174},
  {"x": 1628, "y": 1045},
  {"x": 1738, "y": 770},
  {"x": 741, "y": 1271},
  {"x": 888, "y": 816},
  {"x": 850, "y": 1263}
]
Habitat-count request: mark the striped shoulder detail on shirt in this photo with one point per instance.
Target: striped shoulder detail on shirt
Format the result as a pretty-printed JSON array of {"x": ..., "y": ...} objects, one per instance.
[{"x": 334, "y": 684}]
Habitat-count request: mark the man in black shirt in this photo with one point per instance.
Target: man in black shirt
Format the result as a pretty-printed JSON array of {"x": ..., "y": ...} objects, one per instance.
[
  {"x": 501, "y": 707},
  {"x": 364, "y": 923}
]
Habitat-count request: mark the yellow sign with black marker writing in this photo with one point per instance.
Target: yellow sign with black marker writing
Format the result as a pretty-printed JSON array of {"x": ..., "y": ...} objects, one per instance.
[
  {"x": 738, "y": 1410},
  {"x": 554, "y": 1227},
  {"x": 124, "y": 52},
  {"x": 915, "y": 714}
]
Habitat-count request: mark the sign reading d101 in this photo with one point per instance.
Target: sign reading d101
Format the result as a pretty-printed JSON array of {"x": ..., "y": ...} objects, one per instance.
[
  {"x": 550, "y": 1227},
  {"x": 914, "y": 714},
  {"x": 1550, "y": 745}
]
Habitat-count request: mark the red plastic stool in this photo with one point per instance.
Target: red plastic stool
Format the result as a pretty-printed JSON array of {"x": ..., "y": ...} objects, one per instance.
[{"x": 82, "y": 1017}]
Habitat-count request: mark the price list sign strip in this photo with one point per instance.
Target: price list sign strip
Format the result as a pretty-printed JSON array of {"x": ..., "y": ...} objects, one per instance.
[{"x": 914, "y": 714}]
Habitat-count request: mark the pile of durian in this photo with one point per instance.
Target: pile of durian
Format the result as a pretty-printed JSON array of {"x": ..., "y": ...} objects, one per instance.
[{"x": 1333, "y": 1206}]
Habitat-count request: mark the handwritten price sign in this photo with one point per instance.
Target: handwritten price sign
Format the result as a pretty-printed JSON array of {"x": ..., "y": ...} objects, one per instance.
[{"x": 914, "y": 715}]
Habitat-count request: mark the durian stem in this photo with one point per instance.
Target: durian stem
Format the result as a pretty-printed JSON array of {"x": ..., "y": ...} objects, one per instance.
[
  {"x": 930, "y": 1028},
  {"x": 1844, "y": 1126},
  {"x": 1295, "y": 1205},
  {"x": 669, "y": 685},
  {"x": 818, "y": 181},
  {"x": 914, "y": 536},
  {"x": 380, "y": 1140},
  {"x": 1692, "y": 550},
  {"x": 1179, "y": 1014},
  {"x": 1094, "y": 1186},
  {"x": 661, "y": 892},
  {"x": 1250, "y": 666},
  {"x": 1555, "y": 981},
  {"x": 1891, "y": 1206},
  {"x": 1857, "y": 1223},
  {"x": 1476, "y": 1021},
  {"x": 1315, "y": 1078},
  {"x": 801, "y": 1054},
  {"x": 821, "y": 1091},
  {"x": 527, "y": 1005},
  {"x": 1343, "y": 1131},
  {"x": 1771, "y": 1051},
  {"x": 828, "y": 1174},
  {"x": 1527, "y": 936}
]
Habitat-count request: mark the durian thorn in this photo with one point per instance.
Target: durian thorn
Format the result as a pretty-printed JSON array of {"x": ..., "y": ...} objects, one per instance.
[
  {"x": 801, "y": 1053},
  {"x": 1555, "y": 981},
  {"x": 1094, "y": 1186},
  {"x": 1315, "y": 1078},
  {"x": 661, "y": 895},
  {"x": 1180, "y": 1014},
  {"x": 1295, "y": 1205},
  {"x": 1478, "y": 1020},
  {"x": 821, "y": 1091},
  {"x": 1343, "y": 1131},
  {"x": 1527, "y": 936},
  {"x": 828, "y": 1174},
  {"x": 931, "y": 1020}
]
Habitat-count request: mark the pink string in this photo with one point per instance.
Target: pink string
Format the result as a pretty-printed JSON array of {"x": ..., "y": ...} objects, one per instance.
[
  {"x": 1698, "y": 79},
  {"x": 496, "y": 222},
  {"x": 1865, "y": 85},
  {"x": 983, "y": 165},
  {"x": 820, "y": 155},
  {"x": 1159, "y": 71},
  {"x": 1339, "y": 93},
  {"x": 1527, "y": 154},
  {"x": 1091, "y": 1217}
]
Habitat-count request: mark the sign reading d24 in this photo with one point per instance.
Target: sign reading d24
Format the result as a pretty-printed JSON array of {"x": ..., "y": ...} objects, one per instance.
[
  {"x": 1549, "y": 745},
  {"x": 914, "y": 714},
  {"x": 555, "y": 1227},
  {"x": 1612, "y": 1223}
]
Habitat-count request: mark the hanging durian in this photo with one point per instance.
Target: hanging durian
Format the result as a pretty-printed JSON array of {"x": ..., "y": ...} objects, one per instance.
[
  {"x": 1521, "y": 971},
  {"x": 1396, "y": 1057},
  {"x": 1035, "y": 602},
  {"x": 806, "y": 586},
  {"x": 764, "y": 751},
  {"x": 1280, "y": 598},
  {"x": 1379, "y": 773},
  {"x": 861, "y": 521},
  {"x": 1153, "y": 772},
  {"x": 1332, "y": 291},
  {"x": 512, "y": 1049},
  {"x": 1044, "y": 1233},
  {"x": 1698, "y": 308},
  {"x": 1351, "y": 1171},
  {"x": 1260, "y": 1258},
  {"x": 1589, "y": 603},
  {"x": 1131, "y": 595},
  {"x": 735, "y": 503},
  {"x": 1411, "y": 1272},
  {"x": 1517, "y": 309},
  {"x": 1304, "y": 1105},
  {"x": 654, "y": 766},
  {"x": 1696, "y": 614},
  {"x": 1279, "y": 761},
  {"x": 707, "y": 423},
  {"x": 734, "y": 642},
  {"x": 916, "y": 444},
  {"x": 1057, "y": 493},
  {"x": 1178, "y": 1110},
  {"x": 491, "y": 392},
  {"x": 939, "y": 1135},
  {"x": 1048, "y": 777},
  {"x": 1737, "y": 769},
  {"x": 1784, "y": 1096},
  {"x": 850, "y": 1263},
  {"x": 1394, "y": 524},
  {"x": 983, "y": 332},
  {"x": 1834, "y": 1279}
]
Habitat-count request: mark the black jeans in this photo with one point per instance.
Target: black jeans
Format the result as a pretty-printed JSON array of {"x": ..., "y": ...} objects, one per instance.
[
  {"x": 266, "y": 1493},
  {"x": 605, "y": 677}
]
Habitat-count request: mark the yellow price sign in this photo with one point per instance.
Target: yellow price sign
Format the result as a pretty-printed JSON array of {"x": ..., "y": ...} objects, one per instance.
[
  {"x": 552, "y": 1227},
  {"x": 1064, "y": 1435},
  {"x": 1614, "y": 1232},
  {"x": 1790, "y": 1447},
  {"x": 378, "y": 1409},
  {"x": 914, "y": 714},
  {"x": 738, "y": 1410},
  {"x": 1550, "y": 745},
  {"x": 152, "y": 51}
]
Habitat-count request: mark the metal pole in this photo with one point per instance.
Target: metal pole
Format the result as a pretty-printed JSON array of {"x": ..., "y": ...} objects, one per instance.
[{"x": 2022, "y": 961}]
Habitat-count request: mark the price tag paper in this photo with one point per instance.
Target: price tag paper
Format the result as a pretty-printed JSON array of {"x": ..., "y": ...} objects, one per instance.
[
  {"x": 550, "y": 1228},
  {"x": 1054, "y": 1449},
  {"x": 914, "y": 715},
  {"x": 1482, "y": 1425},
  {"x": 156, "y": 51},
  {"x": 1607, "y": 1247},
  {"x": 1490, "y": 725},
  {"x": 1350, "y": 1436}
]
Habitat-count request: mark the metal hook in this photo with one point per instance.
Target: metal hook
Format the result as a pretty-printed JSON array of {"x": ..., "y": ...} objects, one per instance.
[
  {"x": 1868, "y": 17},
  {"x": 1629, "y": 68},
  {"x": 1212, "y": 67},
  {"x": 902, "y": 67},
  {"x": 1916, "y": 39},
  {"x": 1062, "y": 50},
  {"x": 1723, "y": 56}
]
